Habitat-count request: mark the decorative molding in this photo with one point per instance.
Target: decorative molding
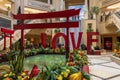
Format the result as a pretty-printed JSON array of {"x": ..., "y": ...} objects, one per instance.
[
  {"x": 38, "y": 5},
  {"x": 106, "y": 3}
]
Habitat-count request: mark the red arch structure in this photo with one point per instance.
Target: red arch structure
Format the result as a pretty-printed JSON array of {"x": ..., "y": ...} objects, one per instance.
[
  {"x": 60, "y": 14},
  {"x": 7, "y": 33}
]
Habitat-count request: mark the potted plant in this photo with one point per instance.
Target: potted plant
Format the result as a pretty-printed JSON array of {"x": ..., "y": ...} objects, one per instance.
[
  {"x": 94, "y": 12},
  {"x": 83, "y": 47},
  {"x": 89, "y": 27},
  {"x": 97, "y": 50}
]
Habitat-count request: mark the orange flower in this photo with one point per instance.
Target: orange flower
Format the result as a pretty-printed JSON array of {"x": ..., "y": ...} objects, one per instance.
[{"x": 81, "y": 54}]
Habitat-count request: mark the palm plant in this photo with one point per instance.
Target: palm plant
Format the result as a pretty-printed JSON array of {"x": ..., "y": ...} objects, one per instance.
[{"x": 94, "y": 11}]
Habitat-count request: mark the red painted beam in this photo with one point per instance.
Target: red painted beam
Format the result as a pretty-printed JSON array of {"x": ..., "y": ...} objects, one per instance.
[
  {"x": 59, "y": 14},
  {"x": 8, "y": 31},
  {"x": 93, "y": 33},
  {"x": 47, "y": 25},
  {"x": 94, "y": 40}
]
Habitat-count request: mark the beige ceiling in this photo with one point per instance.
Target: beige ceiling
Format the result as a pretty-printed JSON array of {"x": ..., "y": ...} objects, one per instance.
[
  {"x": 73, "y": 2},
  {"x": 2, "y": 4}
]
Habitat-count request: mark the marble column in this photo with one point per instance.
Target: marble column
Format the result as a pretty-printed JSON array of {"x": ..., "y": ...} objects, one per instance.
[
  {"x": 48, "y": 1},
  {"x": 86, "y": 9},
  {"x": 22, "y": 5},
  {"x": 61, "y": 5},
  {"x": 15, "y": 6}
]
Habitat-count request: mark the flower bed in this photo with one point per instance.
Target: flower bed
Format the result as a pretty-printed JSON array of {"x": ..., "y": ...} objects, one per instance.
[
  {"x": 116, "y": 56},
  {"x": 33, "y": 52},
  {"x": 117, "y": 49},
  {"x": 75, "y": 69},
  {"x": 117, "y": 53}
]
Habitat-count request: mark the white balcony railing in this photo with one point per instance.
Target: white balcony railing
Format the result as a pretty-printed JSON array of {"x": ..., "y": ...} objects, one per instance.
[
  {"x": 108, "y": 21},
  {"x": 116, "y": 21}
]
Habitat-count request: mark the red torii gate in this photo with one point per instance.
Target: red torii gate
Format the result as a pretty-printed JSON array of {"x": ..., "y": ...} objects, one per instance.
[
  {"x": 60, "y": 14},
  {"x": 7, "y": 33}
]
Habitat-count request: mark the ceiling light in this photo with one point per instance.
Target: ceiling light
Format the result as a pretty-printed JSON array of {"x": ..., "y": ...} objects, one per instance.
[{"x": 8, "y": 5}]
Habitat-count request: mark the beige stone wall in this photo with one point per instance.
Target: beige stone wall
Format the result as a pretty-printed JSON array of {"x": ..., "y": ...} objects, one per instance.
[
  {"x": 85, "y": 29},
  {"x": 56, "y": 5},
  {"x": 93, "y": 3},
  {"x": 107, "y": 30}
]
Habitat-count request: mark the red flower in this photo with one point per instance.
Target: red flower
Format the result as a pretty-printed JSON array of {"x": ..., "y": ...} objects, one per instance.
[
  {"x": 34, "y": 71},
  {"x": 70, "y": 56}
]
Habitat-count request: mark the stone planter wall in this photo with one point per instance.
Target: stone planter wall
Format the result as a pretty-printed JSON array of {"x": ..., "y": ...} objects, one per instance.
[{"x": 115, "y": 59}]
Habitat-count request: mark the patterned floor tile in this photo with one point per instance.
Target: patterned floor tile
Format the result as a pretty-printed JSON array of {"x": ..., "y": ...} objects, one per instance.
[
  {"x": 116, "y": 78},
  {"x": 104, "y": 72},
  {"x": 97, "y": 61},
  {"x": 95, "y": 78},
  {"x": 112, "y": 64}
]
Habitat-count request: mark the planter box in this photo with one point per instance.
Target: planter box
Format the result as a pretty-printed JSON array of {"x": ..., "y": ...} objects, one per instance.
[
  {"x": 97, "y": 52},
  {"x": 115, "y": 59}
]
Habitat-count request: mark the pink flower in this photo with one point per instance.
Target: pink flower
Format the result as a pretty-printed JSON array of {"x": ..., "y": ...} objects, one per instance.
[{"x": 85, "y": 68}]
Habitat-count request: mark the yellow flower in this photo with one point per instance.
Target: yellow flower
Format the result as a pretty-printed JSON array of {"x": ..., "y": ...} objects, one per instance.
[
  {"x": 60, "y": 77},
  {"x": 65, "y": 74},
  {"x": 13, "y": 73},
  {"x": 57, "y": 50},
  {"x": 25, "y": 78},
  {"x": 19, "y": 77},
  {"x": 71, "y": 51},
  {"x": 115, "y": 50},
  {"x": 6, "y": 75},
  {"x": 68, "y": 70},
  {"x": 79, "y": 51},
  {"x": 10, "y": 73},
  {"x": 23, "y": 74}
]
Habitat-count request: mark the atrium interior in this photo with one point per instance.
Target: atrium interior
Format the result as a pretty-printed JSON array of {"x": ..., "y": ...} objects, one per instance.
[{"x": 59, "y": 39}]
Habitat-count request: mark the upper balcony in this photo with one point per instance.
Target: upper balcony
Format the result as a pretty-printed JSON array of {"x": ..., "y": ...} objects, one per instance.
[
  {"x": 108, "y": 21},
  {"x": 106, "y": 3},
  {"x": 73, "y": 2}
]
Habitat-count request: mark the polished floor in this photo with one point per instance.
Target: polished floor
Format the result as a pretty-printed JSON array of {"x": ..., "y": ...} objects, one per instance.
[{"x": 103, "y": 68}]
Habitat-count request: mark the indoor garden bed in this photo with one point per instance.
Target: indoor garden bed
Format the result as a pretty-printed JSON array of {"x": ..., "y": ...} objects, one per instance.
[{"x": 48, "y": 67}]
